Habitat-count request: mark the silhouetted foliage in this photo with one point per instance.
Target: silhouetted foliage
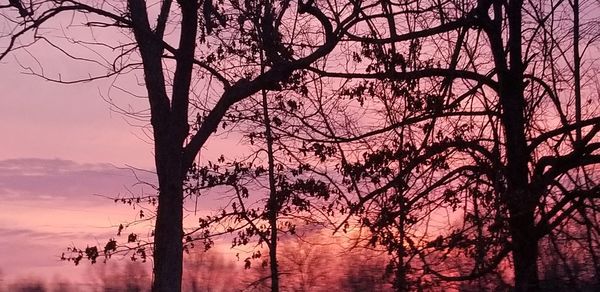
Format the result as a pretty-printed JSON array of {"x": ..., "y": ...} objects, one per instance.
[
  {"x": 460, "y": 137},
  {"x": 474, "y": 103},
  {"x": 181, "y": 121}
]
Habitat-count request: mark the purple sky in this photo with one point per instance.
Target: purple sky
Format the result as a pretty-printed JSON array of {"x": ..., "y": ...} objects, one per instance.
[
  {"x": 49, "y": 204},
  {"x": 62, "y": 145},
  {"x": 48, "y": 120}
]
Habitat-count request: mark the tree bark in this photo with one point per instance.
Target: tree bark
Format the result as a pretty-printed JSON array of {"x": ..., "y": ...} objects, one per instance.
[
  {"x": 521, "y": 201},
  {"x": 169, "y": 119},
  {"x": 273, "y": 203},
  {"x": 525, "y": 253},
  {"x": 518, "y": 197},
  {"x": 168, "y": 244}
]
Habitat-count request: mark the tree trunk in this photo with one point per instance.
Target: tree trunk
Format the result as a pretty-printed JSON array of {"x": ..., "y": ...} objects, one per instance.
[
  {"x": 273, "y": 204},
  {"x": 400, "y": 282},
  {"x": 168, "y": 233},
  {"x": 169, "y": 119},
  {"x": 525, "y": 253},
  {"x": 519, "y": 199}
]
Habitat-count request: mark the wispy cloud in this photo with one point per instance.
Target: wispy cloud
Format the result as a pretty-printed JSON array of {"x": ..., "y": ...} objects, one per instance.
[
  {"x": 50, "y": 204},
  {"x": 51, "y": 179}
]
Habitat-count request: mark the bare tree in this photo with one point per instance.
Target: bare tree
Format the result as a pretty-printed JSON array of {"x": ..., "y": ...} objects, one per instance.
[
  {"x": 485, "y": 112},
  {"x": 491, "y": 130},
  {"x": 170, "y": 42}
]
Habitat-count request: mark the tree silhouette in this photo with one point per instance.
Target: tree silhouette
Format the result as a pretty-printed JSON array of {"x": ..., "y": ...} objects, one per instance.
[
  {"x": 204, "y": 44},
  {"x": 465, "y": 129},
  {"x": 491, "y": 86}
]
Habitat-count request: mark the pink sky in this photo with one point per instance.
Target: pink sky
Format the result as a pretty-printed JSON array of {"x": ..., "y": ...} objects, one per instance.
[
  {"x": 48, "y": 120},
  {"x": 61, "y": 145}
]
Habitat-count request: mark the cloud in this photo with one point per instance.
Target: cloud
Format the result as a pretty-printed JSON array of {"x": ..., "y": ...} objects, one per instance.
[
  {"x": 34, "y": 179},
  {"x": 45, "y": 238},
  {"x": 6, "y": 233}
]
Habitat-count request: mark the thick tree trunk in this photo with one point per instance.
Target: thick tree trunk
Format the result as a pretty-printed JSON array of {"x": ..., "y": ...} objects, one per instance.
[
  {"x": 525, "y": 253},
  {"x": 168, "y": 233},
  {"x": 169, "y": 119},
  {"x": 519, "y": 199}
]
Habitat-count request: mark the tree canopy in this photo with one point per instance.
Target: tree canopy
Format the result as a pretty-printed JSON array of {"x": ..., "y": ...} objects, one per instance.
[{"x": 460, "y": 137}]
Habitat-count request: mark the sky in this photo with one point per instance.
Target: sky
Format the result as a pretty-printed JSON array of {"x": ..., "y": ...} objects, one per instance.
[
  {"x": 63, "y": 147},
  {"x": 51, "y": 204},
  {"x": 48, "y": 120}
]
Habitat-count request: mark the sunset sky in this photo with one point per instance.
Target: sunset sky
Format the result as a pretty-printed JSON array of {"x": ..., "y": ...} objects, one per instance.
[
  {"x": 62, "y": 146},
  {"x": 357, "y": 146}
]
